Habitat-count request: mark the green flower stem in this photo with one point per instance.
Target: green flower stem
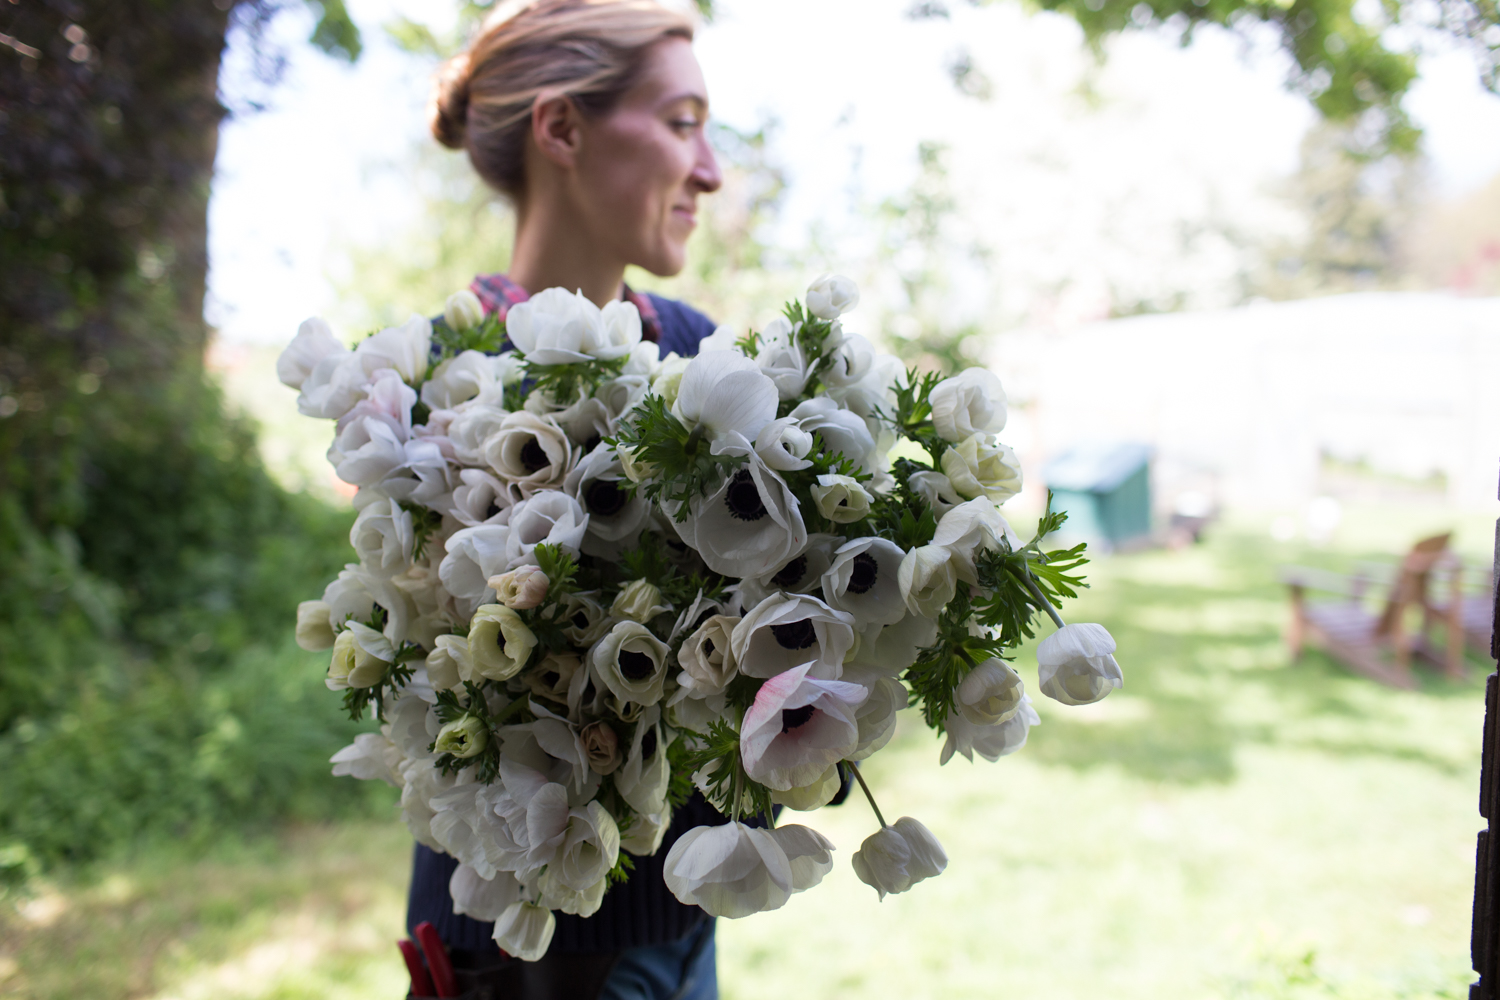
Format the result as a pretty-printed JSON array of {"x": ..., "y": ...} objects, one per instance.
[
  {"x": 514, "y": 708},
  {"x": 1036, "y": 592},
  {"x": 861, "y": 779}
]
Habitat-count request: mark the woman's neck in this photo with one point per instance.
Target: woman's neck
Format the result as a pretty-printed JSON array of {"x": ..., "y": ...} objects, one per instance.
[{"x": 554, "y": 251}]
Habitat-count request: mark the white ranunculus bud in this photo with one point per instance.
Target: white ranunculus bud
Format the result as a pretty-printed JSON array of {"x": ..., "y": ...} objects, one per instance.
[
  {"x": 631, "y": 663},
  {"x": 448, "y": 665},
  {"x": 928, "y": 579},
  {"x": 314, "y": 342},
  {"x": 1076, "y": 664},
  {"x": 731, "y": 870},
  {"x": 463, "y": 737},
  {"x": 499, "y": 642},
  {"x": 980, "y": 466},
  {"x": 522, "y": 588},
  {"x": 463, "y": 310},
  {"x": 841, "y": 499},
  {"x": 897, "y": 857},
  {"x": 314, "y": 626},
  {"x": 640, "y": 601},
  {"x": 831, "y": 295},
  {"x": 525, "y": 931},
  {"x": 811, "y": 796},
  {"x": 971, "y": 402},
  {"x": 707, "y": 657},
  {"x": 990, "y": 693}
]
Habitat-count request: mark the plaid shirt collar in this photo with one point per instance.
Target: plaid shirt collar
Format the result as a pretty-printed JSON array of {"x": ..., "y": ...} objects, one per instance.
[{"x": 497, "y": 294}]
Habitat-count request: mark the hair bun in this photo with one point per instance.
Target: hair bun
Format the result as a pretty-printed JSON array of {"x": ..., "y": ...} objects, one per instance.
[{"x": 448, "y": 107}]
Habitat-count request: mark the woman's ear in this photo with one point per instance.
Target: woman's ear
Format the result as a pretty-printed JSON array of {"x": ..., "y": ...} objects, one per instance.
[{"x": 556, "y": 128}]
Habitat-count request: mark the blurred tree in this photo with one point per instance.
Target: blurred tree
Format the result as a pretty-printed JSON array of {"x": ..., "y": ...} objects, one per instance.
[{"x": 1358, "y": 215}]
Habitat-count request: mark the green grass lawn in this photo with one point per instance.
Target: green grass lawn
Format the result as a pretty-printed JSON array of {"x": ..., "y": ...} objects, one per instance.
[{"x": 1228, "y": 825}]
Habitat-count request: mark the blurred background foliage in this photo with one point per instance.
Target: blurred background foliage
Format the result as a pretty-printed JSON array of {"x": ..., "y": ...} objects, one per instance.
[{"x": 149, "y": 566}]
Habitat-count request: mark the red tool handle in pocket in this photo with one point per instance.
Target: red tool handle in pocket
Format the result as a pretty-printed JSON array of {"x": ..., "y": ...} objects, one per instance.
[
  {"x": 437, "y": 960},
  {"x": 421, "y": 982}
]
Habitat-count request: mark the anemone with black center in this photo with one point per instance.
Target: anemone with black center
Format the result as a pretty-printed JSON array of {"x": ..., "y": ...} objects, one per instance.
[
  {"x": 604, "y": 497},
  {"x": 636, "y": 666},
  {"x": 648, "y": 744},
  {"x": 743, "y": 498},
  {"x": 493, "y": 510},
  {"x": 795, "y": 635},
  {"x": 792, "y": 573},
  {"x": 704, "y": 616},
  {"x": 863, "y": 573},
  {"x": 533, "y": 457},
  {"x": 792, "y": 718},
  {"x": 580, "y": 620},
  {"x": 591, "y": 443},
  {"x": 550, "y": 678}
]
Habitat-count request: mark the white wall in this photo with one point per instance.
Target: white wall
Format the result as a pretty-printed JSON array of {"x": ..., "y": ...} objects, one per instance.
[{"x": 1244, "y": 400}]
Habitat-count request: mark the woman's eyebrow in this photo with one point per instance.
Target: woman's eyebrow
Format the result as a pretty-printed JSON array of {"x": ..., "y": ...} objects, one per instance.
[{"x": 689, "y": 95}]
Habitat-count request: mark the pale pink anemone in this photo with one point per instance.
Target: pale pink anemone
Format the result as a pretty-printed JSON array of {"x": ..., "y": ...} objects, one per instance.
[{"x": 798, "y": 726}]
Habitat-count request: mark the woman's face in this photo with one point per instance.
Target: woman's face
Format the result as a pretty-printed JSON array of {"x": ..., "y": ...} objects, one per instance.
[{"x": 641, "y": 168}]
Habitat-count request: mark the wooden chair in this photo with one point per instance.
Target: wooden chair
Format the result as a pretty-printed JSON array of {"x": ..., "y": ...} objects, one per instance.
[
  {"x": 1376, "y": 645},
  {"x": 1460, "y": 603}
]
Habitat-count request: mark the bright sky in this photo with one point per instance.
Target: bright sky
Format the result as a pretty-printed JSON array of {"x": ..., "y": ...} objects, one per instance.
[{"x": 1093, "y": 194}]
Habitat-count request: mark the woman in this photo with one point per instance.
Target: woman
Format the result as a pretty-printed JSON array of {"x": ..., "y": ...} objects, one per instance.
[{"x": 588, "y": 116}]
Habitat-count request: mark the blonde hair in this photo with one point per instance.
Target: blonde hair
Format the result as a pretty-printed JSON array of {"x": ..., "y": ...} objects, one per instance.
[{"x": 590, "y": 51}]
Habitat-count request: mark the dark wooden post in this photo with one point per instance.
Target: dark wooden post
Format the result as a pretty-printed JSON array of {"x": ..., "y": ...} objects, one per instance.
[{"x": 1484, "y": 942}]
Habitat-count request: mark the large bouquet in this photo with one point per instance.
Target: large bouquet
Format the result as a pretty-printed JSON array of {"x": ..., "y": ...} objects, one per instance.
[{"x": 591, "y": 579}]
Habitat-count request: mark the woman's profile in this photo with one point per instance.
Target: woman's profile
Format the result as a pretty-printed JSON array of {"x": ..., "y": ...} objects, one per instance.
[{"x": 589, "y": 117}]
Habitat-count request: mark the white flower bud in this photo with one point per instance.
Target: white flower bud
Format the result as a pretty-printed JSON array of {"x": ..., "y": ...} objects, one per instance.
[
  {"x": 1076, "y": 665},
  {"x": 831, "y": 295},
  {"x": 525, "y": 931},
  {"x": 991, "y": 693},
  {"x": 980, "y": 466},
  {"x": 899, "y": 856},
  {"x": 314, "y": 629},
  {"x": 841, "y": 499},
  {"x": 499, "y": 642},
  {"x": 971, "y": 402},
  {"x": 928, "y": 579},
  {"x": 463, "y": 737},
  {"x": 463, "y": 310},
  {"x": 522, "y": 588},
  {"x": 640, "y": 601}
]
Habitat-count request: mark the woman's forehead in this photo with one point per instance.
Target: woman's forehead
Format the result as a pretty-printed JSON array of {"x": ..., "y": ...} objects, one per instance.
[{"x": 671, "y": 75}]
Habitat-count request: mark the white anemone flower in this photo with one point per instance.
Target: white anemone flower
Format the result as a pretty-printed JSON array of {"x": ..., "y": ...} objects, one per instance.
[
  {"x": 993, "y": 741},
  {"x": 937, "y": 489},
  {"x": 851, "y": 363},
  {"x": 525, "y": 930},
  {"x": 642, "y": 780},
  {"x": 876, "y": 717},
  {"x": 549, "y": 516},
  {"x": 534, "y": 452},
  {"x": 483, "y": 499},
  {"x": 1076, "y": 664},
  {"x": 730, "y": 871},
  {"x": 313, "y": 343},
  {"x": 898, "y": 856},
  {"x": 749, "y": 526},
  {"x": 474, "y": 555},
  {"x": 459, "y": 379},
  {"x": 555, "y": 327},
  {"x": 864, "y": 580},
  {"x": 981, "y": 466},
  {"x": 800, "y": 574},
  {"x": 482, "y": 898},
  {"x": 722, "y": 391},
  {"x": 383, "y": 536},
  {"x": 707, "y": 657},
  {"x": 632, "y": 663},
  {"x": 616, "y": 517},
  {"x": 843, "y": 431},
  {"x": 929, "y": 579},
  {"x": 797, "y": 726},
  {"x": 332, "y": 387},
  {"x": 371, "y": 757},
  {"x": 789, "y": 630},
  {"x": 971, "y": 402},
  {"x": 814, "y": 795},
  {"x": 784, "y": 445},
  {"x": 471, "y": 426},
  {"x": 406, "y": 348},
  {"x": 782, "y": 358},
  {"x": 809, "y": 854},
  {"x": 971, "y": 528},
  {"x": 368, "y": 452}
]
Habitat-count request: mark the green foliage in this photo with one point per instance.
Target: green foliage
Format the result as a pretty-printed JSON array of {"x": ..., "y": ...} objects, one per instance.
[
  {"x": 684, "y": 468},
  {"x": 565, "y": 383},
  {"x": 335, "y": 32},
  {"x": 733, "y": 792},
  {"x": 487, "y": 337}
]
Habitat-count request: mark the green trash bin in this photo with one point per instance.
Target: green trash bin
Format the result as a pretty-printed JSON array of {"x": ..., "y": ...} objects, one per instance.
[{"x": 1106, "y": 491}]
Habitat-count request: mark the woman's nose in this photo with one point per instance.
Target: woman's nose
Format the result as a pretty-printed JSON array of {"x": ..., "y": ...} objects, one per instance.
[{"x": 706, "y": 177}]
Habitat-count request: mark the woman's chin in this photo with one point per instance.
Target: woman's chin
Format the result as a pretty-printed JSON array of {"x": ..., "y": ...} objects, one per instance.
[{"x": 664, "y": 261}]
